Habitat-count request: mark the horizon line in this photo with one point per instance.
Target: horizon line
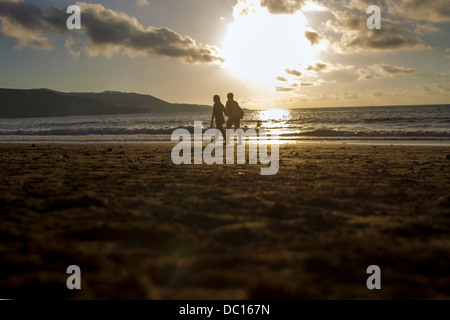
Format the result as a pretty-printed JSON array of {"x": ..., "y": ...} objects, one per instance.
[{"x": 251, "y": 109}]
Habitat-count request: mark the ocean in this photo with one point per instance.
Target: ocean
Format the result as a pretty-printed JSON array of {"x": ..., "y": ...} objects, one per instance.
[{"x": 428, "y": 124}]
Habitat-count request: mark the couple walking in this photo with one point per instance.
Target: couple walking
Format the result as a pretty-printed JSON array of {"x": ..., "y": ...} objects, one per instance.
[{"x": 232, "y": 110}]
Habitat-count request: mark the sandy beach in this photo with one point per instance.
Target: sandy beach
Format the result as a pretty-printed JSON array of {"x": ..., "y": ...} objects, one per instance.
[{"x": 140, "y": 227}]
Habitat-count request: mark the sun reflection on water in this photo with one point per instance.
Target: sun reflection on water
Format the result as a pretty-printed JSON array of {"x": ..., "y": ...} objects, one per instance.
[
  {"x": 274, "y": 120},
  {"x": 274, "y": 115}
]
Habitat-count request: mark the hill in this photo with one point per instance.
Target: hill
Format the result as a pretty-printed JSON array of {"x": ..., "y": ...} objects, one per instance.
[{"x": 18, "y": 103}]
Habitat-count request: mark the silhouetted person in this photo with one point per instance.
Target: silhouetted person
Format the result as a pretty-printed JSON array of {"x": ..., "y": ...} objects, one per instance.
[
  {"x": 218, "y": 114},
  {"x": 232, "y": 109},
  {"x": 259, "y": 124}
]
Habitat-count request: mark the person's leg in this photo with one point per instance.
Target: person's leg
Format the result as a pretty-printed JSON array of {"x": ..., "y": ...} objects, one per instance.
[
  {"x": 237, "y": 125},
  {"x": 216, "y": 136},
  {"x": 229, "y": 123},
  {"x": 219, "y": 126}
]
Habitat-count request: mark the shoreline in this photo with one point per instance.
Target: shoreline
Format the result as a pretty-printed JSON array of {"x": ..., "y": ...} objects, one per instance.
[{"x": 362, "y": 142}]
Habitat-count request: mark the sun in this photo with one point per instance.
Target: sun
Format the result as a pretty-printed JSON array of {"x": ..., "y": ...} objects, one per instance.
[{"x": 260, "y": 46}]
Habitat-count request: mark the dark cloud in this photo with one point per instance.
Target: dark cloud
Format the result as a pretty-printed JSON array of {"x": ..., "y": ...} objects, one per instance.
[
  {"x": 318, "y": 67},
  {"x": 387, "y": 39},
  {"x": 108, "y": 32},
  {"x": 29, "y": 16},
  {"x": 29, "y": 24},
  {"x": 293, "y": 72},
  {"x": 282, "y": 6},
  {"x": 313, "y": 37},
  {"x": 280, "y": 78},
  {"x": 357, "y": 38},
  {"x": 433, "y": 11},
  {"x": 306, "y": 84}
]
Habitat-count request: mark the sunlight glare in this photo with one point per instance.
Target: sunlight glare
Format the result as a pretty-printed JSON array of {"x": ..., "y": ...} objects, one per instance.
[
  {"x": 273, "y": 115},
  {"x": 260, "y": 46}
]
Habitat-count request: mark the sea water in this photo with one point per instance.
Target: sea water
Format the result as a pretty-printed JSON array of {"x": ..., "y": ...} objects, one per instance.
[{"x": 428, "y": 124}]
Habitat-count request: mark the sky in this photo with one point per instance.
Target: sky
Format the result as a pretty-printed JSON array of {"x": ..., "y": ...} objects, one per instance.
[{"x": 269, "y": 53}]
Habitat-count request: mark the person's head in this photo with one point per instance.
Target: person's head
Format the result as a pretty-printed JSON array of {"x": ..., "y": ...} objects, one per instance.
[
  {"x": 216, "y": 99},
  {"x": 230, "y": 96}
]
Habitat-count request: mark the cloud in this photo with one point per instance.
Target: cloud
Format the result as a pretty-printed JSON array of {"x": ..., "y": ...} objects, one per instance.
[
  {"x": 433, "y": 88},
  {"x": 24, "y": 37},
  {"x": 345, "y": 21},
  {"x": 292, "y": 6},
  {"x": 318, "y": 67},
  {"x": 378, "y": 94},
  {"x": 27, "y": 16},
  {"x": 108, "y": 32},
  {"x": 111, "y": 32},
  {"x": 306, "y": 84},
  {"x": 389, "y": 70},
  {"x": 280, "y": 78},
  {"x": 340, "y": 75},
  {"x": 355, "y": 37},
  {"x": 283, "y": 89},
  {"x": 434, "y": 11},
  {"x": 333, "y": 73},
  {"x": 282, "y": 6},
  {"x": 382, "y": 70},
  {"x": 69, "y": 44},
  {"x": 423, "y": 29},
  {"x": 443, "y": 87},
  {"x": 387, "y": 39},
  {"x": 349, "y": 95},
  {"x": 293, "y": 72},
  {"x": 365, "y": 74},
  {"x": 142, "y": 2},
  {"x": 313, "y": 37}
]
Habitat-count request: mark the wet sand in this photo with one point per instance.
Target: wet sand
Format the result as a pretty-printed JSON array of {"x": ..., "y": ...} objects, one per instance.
[{"x": 140, "y": 227}]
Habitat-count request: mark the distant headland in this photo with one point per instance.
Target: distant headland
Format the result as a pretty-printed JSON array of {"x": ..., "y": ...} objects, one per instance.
[{"x": 20, "y": 103}]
